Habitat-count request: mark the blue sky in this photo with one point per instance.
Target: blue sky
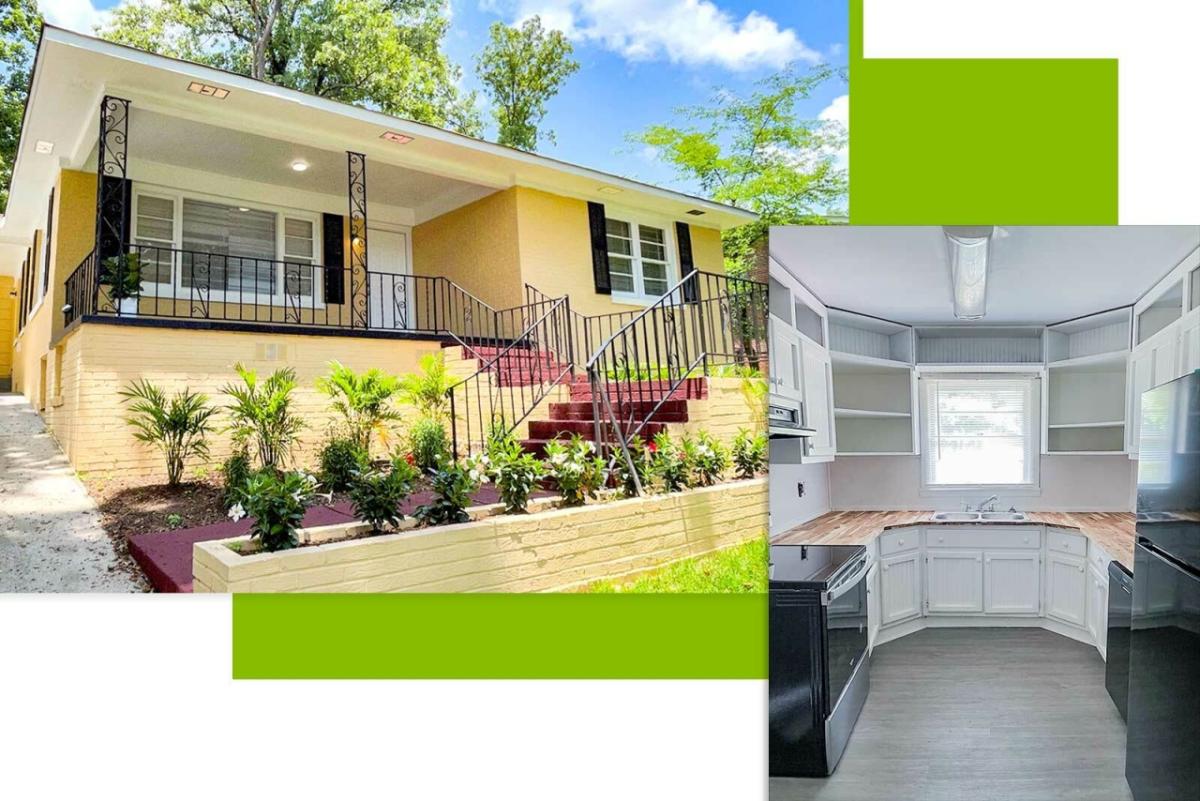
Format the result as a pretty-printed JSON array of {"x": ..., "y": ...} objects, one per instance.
[{"x": 640, "y": 59}]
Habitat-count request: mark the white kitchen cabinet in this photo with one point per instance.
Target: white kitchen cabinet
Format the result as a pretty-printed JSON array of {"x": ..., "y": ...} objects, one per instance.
[
  {"x": 900, "y": 587},
  {"x": 1189, "y": 341},
  {"x": 1154, "y": 362},
  {"x": 954, "y": 581},
  {"x": 785, "y": 360},
  {"x": 874, "y": 607},
  {"x": 1097, "y": 610},
  {"x": 1012, "y": 582},
  {"x": 1066, "y": 588},
  {"x": 817, "y": 376}
]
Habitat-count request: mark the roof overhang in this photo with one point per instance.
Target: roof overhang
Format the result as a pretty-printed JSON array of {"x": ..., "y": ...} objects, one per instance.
[{"x": 73, "y": 71}]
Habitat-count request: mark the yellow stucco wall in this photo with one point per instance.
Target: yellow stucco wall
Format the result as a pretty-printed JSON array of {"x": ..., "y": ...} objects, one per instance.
[
  {"x": 8, "y": 322},
  {"x": 476, "y": 247},
  {"x": 551, "y": 551},
  {"x": 98, "y": 360}
]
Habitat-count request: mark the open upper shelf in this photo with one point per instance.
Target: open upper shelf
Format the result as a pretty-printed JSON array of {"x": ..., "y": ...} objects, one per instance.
[
  {"x": 1097, "y": 336},
  {"x": 1106, "y": 424},
  {"x": 1112, "y": 361},
  {"x": 882, "y": 341},
  {"x": 977, "y": 344},
  {"x": 868, "y": 413}
]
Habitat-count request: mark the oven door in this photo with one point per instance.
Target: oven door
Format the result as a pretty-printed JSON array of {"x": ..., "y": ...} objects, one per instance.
[{"x": 845, "y": 631}]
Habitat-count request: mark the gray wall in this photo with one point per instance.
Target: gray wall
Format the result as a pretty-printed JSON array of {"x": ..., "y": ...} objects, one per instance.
[
  {"x": 787, "y": 508},
  {"x": 1069, "y": 483}
]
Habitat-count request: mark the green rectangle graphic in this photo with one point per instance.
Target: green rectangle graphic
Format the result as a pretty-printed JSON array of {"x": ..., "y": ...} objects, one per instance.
[{"x": 502, "y": 636}]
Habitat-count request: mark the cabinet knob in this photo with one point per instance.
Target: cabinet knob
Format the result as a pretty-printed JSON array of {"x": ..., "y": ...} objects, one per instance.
[
  {"x": 1027, "y": 540},
  {"x": 1081, "y": 568},
  {"x": 885, "y": 567},
  {"x": 989, "y": 561},
  {"x": 941, "y": 539},
  {"x": 900, "y": 542}
]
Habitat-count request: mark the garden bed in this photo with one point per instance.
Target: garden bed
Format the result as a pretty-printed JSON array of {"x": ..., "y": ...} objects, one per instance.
[{"x": 546, "y": 550}]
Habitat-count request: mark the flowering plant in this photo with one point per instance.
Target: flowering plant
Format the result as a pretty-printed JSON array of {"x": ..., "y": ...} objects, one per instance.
[
  {"x": 576, "y": 468},
  {"x": 671, "y": 462},
  {"x": 453, "y": 485},
  {"x": 516, "y": 472},
  {"x": 641, "y": 453},
  {"x": 708, "y": 457},
  {"x": 749, "y": 453}
]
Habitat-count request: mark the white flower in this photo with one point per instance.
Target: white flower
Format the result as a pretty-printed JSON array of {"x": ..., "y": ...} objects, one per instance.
[
  {"x": 558, "y": 458},
  {"x": 236, "y": 512}
]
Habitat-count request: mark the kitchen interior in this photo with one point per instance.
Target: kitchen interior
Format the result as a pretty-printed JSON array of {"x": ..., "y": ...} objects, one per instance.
[{"x": 985, "y": 513}]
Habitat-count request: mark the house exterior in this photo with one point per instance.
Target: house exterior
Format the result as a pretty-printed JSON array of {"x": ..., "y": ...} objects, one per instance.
[{"x": 167, "y": 220}]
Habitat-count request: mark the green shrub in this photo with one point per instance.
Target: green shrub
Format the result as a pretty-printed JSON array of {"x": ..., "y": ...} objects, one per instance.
[
  {"x": 576, "y": 468},
  {"x": 236, "y": 472},
  {"x": 178, "y": 426},
  {"x": 642, "y": 455},
  {"x": 261, "y": 414},
  {"x": 342, "y": 459},
  {"x": 277, "y": 504},
  {"x": 364, "y": 401},
  {"x": 426, "y": 389},
  {"x": 377, "y": 495},
  {"x": 428, "y": 442},
  {"x": 749, "y": 453},
  {"x": 672, "y": 463},
  {"x": 708, "y": 457},
  {"x": 123, "y": 275},
  {"x": 516, "y": 473},
  {"x": 452, "y": 485},
  {"x": 499, "y": 438}
]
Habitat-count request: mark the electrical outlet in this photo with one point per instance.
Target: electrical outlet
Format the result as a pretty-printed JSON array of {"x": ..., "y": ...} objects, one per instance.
[{"x": 799, "y": 489}]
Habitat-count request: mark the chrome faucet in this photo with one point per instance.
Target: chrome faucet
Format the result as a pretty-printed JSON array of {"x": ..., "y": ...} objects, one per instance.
[{"x": 990, "y": 503}]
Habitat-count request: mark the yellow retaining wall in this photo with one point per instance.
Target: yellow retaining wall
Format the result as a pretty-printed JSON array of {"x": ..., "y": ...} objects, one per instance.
[
  {"x": 731, "y": 405},
  {"x": 98, "y": 360},
  {"x": 8, "y": 322},
  {"x": 541, "y": 552}
]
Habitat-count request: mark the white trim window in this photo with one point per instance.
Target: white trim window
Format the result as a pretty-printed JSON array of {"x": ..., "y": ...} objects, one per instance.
[
  {"x": 980, "y": 431},
  {"x": 238, "y": 252},
  {"x": 639, "y": 258}
]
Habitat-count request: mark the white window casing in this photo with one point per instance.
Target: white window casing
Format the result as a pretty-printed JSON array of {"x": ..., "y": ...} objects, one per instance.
[{"x": 641, "y": 257}]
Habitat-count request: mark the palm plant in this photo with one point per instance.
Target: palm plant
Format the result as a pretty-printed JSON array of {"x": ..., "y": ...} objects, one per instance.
[
  {"x": 426, "y": 389},
  {"x": 178, "y": 426},
  {"x": 261, "y": 414},
  {"x": 364, "y": 400}
]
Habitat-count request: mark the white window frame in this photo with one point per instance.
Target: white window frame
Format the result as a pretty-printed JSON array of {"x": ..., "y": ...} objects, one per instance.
[
  {"x": 639, "y": 296},
  {"x": 176, "y": 289},
  {"x": 1033, "y": 448}
]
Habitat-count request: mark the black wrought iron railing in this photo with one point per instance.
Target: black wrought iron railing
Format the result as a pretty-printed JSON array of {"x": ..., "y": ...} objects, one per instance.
[
  {"x": 516, "y": 379},
  {"x": 588, "y": 331},
  {"x": 174, "y": 283},
  {"x": 702, "y": 324}
]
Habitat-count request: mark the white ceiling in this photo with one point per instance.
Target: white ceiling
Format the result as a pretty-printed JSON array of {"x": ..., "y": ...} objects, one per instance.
[{"x": 1036, "y": 274}]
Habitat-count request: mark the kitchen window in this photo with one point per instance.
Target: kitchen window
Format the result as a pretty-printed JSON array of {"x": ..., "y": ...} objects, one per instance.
[
  {"x": 638, "y": 262},
  {"x": 234, "y": 251},
  {"x": 980, "y": 431}
]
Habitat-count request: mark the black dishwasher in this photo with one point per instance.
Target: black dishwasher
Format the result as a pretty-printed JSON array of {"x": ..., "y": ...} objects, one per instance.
[{"x": 1120, "y": 608}]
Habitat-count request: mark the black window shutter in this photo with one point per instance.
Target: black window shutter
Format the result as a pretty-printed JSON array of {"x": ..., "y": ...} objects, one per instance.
[
  {"x": 599, "y": 248},
  {"x": 683, "y": 235},
  {"x": 333, "y": 256},
  {"x": 46, "y": 243},
  {"x": 115, "y": 215}
]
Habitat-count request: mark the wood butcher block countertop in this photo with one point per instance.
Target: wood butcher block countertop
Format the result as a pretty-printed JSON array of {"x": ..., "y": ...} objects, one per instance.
[{"x": 1112, "y": 531}]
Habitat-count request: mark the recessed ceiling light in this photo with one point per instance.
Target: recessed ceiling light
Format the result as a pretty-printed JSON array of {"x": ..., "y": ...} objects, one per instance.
[
  {"x": 609, "y": 190},
  {"x": 208, "y": 90},
  {"x": 299, "y": 165},
  {"x": 695, "y": 212},
  {"x": 243, "y": 208},
  {"x": 43, "y": 146},
  {"x": 398, "y": 138}
]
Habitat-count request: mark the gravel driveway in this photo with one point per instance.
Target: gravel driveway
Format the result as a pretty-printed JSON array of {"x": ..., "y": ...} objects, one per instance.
[{"x": 50, "y": 534}]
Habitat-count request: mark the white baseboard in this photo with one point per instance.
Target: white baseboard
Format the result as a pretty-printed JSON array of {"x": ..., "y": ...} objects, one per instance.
[{"x": 897, "y": 630}]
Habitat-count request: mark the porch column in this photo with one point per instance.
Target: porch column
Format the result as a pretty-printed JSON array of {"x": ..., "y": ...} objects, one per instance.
[
  {"x": 360, "y": 290},
  {"x": 112, "y": 193}
]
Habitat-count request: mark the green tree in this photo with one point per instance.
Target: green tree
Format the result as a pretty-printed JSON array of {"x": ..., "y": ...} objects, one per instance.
[
  {"x": 753, "y": 152},
  {"x": 521, "y": 69},
  {"x": 385, "y": 54},
  {"x": 20, "y": 24}
]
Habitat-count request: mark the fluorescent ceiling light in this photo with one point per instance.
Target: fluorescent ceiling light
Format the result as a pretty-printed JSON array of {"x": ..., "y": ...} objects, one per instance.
[
  {"x": 43, "y": 146},
  {"x": 968, "y": 247},
  {"x": 299, "y": 165}
]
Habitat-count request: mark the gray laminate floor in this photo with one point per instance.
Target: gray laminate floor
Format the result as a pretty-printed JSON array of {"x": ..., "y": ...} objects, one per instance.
[{"x": 979, "y": 715}]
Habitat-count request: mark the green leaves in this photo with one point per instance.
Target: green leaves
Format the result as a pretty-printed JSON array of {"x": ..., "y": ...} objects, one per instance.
[
  {"x": 364, "y": 400},
  {"x": 522, "y": 68},
  {"x": 453, "y": 485},
  {"x": 516, "y": 473},
  {"x": 261, "y": 414},
  {"x": 378, "y": 495},
  {"x": 427, "y": 388},
  {"x": 749, "y": 453},
  {"x": 576, "y": 468},
  {"x": 178, "y": 426},
  {"x": 277, "y": 504}
]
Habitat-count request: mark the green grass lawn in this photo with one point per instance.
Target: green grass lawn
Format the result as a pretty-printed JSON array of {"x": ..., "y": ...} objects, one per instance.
[{"x": 742, "y": 568}]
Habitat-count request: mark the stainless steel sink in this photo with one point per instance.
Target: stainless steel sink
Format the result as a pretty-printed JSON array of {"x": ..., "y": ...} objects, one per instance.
[
  {"x": 956, "y": 516},
  {"x": 1008, "y": 516}
]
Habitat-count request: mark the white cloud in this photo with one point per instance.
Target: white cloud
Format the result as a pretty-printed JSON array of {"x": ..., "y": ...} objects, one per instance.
[
  {"x": 77, "y": 15},
  {"x": 838, "y": 112},
  {"x": 689, "y": 32}
]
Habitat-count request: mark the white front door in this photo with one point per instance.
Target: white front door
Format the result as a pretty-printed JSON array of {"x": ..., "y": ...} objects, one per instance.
[{"x": 387, "y": 261}]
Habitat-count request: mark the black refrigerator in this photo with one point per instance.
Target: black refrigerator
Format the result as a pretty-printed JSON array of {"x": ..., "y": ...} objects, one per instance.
[{"x": 1162, "y": 756}]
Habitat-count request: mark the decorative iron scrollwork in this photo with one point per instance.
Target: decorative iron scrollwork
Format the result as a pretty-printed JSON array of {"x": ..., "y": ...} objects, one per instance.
[{"x": 356, "y": 186}]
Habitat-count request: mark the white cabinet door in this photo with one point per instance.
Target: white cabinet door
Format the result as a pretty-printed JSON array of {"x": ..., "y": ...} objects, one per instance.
[
  {"x": 1066, "y": 588},
  {"x": 900, "y": 587},
  {"x": 1097, "y": 612},
  {"x": 785, "y": 359},
  {"x": 1154, "y": 362},
  {"x": 954, "y": 581},
  {"x": 874, "y": 608},
  {"x": 1012, "y": 582},
  {"x": 817, "y": 374}
]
